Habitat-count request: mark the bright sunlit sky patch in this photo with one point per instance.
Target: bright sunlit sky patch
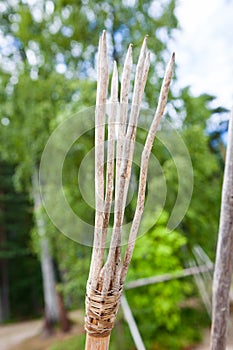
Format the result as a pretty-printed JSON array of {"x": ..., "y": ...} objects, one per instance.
[{"x": 204, "y": 48}]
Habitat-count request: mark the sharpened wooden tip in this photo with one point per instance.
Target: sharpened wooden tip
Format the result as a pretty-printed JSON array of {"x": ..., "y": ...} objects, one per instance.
[{"x": 144, "y": 43}]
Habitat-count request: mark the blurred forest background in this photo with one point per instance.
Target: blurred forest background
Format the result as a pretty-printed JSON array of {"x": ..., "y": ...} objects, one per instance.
[{"x": 47, "y": 73}]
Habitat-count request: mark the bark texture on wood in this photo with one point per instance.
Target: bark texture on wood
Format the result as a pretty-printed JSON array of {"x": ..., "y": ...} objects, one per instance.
[
  {"x": 97, "y": 343},
  {"x": 224, "y": 257}
]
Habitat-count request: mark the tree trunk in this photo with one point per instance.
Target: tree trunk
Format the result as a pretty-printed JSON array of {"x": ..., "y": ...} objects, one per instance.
[
  {"x": 49, "y": 285},
  {"x": 224, "y": 257},
  {"x": 48, "y": 275},
  {"x": 64, "y": 321},
  {"x": 97, "y": 343},
  {"x": 4, "y": 291}
]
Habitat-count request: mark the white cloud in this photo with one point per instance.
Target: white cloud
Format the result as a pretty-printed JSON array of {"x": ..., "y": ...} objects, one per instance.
[{"x": 204, "y": 49}]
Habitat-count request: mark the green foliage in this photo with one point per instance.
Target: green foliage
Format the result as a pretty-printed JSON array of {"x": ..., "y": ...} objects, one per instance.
[
  {"x": 46, "y": 36},
  {"x": 200, "y": 224},
  {"x": 156, "y": 307},
  {"x": 162, "y": 322},
  {"x": 201, "y": 220},
  {"x": 73, "y": 260},
  {"x": 197, "y": 109},
  {"x": 30, "y": 110}
]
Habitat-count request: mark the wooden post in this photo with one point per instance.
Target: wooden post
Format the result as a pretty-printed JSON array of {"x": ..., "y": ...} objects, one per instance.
[
  {"x": 97, "y": 343},
  {"x": 224, "y": 258}
]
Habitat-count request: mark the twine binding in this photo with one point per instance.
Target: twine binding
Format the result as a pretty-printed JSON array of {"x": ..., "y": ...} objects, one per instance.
[{"x": 101, "y": 310}]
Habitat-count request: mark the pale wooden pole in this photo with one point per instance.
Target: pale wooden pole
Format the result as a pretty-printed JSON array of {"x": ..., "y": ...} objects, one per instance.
[
  {"x": 224, "y": 257},
  {"x": 190, "y": 271},
  {"x": 106, "y": 278},
  {"x": 132, "y": 324},
  {"x": 97, "y": 343}
]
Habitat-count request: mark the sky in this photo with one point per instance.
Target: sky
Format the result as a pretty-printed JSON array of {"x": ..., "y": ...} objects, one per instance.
[{"x": 204, "y": 48}]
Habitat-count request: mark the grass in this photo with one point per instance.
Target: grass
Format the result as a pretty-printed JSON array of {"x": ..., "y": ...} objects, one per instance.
[{"x": 73, "y": 343}]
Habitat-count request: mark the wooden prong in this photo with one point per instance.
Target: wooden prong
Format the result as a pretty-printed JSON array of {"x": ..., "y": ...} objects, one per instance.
[
  {"x": 138, "y": 91},
  {"x": 114, "y": 85},
  {"x": 125, "y": 81},
  {"x": 144, "y": 167},
  {"x": 110, "y": 154},
  {"x": 114, "y": 256},
  {"x": 100, "y": 111}
]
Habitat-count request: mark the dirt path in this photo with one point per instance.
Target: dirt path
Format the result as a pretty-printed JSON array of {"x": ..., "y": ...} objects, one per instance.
[{"x": 13, "y": 334}]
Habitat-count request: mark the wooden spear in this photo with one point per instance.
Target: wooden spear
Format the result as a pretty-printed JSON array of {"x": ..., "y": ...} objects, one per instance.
[
  {"x": 224, "y": 257},
  {"x": 106, "y": 278}
]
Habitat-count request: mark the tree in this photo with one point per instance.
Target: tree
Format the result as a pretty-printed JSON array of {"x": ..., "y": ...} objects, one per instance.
[
  {"x": 49, "y": 282},
  {"x": 71, "y": 50},
  {"x": 29, "y": 96}
]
